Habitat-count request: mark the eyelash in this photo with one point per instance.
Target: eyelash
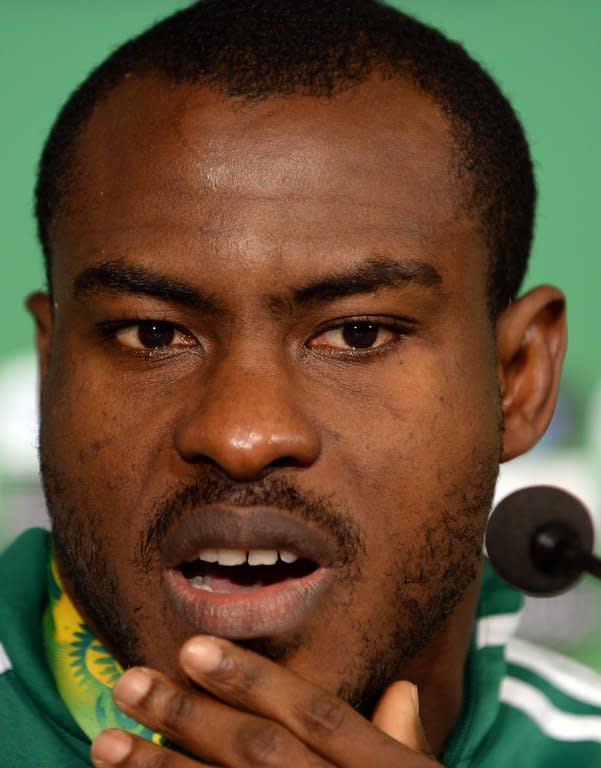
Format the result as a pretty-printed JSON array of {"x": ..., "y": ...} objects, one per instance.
[
  {"x": 404, "y": 327},
  {"x": 109, "y": 332}
]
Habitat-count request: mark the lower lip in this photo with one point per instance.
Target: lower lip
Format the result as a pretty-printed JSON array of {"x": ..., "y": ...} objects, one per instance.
[{"x": 260, "y": 612}]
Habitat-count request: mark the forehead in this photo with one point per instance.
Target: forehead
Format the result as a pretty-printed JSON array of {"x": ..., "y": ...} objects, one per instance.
[{"x": 375, "y": 166}]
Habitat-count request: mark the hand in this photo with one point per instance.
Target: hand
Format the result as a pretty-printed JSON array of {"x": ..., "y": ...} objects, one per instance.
[{"x": 259, "y": 714}]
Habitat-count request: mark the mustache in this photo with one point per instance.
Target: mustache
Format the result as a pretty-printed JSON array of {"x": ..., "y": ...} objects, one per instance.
[{"x": 215, "y": 488}]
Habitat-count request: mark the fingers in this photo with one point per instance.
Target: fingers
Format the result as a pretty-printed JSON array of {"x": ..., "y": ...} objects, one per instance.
[
  {"x": 397, "y": 714},
  {"x": 322, "y": 721},
  {"x": 117, "y": 748},
  {"x": 205, "y": 727},
  {"x": 260, "y": 715}
]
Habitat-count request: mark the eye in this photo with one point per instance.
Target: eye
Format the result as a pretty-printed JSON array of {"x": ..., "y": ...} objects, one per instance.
[
  {"x": 153, "y": 335},
  {"x": 361, "y": 335}
]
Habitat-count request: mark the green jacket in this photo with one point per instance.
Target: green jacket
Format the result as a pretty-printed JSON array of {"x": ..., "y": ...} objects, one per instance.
[{"x": 524, "y": 707}]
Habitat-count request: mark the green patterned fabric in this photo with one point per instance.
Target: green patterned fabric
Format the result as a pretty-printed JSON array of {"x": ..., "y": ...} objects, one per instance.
[{"x": 84, "y": 671}]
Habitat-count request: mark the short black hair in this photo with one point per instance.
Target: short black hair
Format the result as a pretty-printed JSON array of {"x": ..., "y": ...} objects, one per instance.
[{"x": 258, "y": 48}]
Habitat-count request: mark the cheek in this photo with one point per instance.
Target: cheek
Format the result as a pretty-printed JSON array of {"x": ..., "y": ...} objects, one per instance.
[
  {"x": 96, "y": 440},
  {"x": 418, "y": 434},
  {"x": 418, "y": 452}
]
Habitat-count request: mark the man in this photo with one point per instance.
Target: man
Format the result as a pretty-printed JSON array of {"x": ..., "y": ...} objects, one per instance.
[{"x": 281, "y": 358}]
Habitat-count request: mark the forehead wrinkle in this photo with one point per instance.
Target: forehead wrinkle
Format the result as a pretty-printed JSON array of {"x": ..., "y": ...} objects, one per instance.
[{"x": 279, "y": 306}]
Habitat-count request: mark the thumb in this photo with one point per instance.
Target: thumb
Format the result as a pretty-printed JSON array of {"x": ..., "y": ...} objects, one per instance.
[{"x": 397, "y": 714}]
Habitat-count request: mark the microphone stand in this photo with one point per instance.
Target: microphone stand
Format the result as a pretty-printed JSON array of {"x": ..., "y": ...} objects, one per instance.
[{"x": 556, "y": 551}]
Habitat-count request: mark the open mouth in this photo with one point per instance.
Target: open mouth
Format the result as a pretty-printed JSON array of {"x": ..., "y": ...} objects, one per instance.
[
  {"x": 228, "y": 571},
  {"x": 243, "y": 572}
]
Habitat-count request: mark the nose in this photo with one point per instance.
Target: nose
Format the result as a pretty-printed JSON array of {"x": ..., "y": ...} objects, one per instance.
[{"x": 246, "y": 423}]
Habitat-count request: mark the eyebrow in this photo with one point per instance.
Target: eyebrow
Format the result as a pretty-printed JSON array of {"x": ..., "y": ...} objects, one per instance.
[
  {"x": 379, "y": 272},
  {"x": 118, "y": 277}
]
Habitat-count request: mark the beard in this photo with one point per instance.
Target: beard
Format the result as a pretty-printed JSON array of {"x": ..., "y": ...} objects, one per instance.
[{"x": 456, "y": 541}]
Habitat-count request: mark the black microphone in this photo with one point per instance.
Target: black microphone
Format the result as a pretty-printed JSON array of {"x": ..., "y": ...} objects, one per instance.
[{"x": 540, "y": 540}]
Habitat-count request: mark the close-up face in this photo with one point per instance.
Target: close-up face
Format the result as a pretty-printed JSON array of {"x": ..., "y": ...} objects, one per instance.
[{"x": 270, "y": 409}]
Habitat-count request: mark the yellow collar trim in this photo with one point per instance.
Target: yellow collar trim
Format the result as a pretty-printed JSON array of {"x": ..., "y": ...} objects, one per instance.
[{"x": 83, "y": 670}]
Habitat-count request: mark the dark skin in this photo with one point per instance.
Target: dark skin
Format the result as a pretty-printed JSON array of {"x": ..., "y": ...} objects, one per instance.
[{"x": 283, "y": 224}]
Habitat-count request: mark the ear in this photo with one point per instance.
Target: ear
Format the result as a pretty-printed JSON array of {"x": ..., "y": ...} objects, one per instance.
[
  {"x": 531, "y": 344},
  {"x": 40, "y": 307}
]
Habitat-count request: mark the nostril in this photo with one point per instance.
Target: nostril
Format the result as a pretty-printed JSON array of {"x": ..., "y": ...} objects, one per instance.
[{"x": 285, "y": 461}]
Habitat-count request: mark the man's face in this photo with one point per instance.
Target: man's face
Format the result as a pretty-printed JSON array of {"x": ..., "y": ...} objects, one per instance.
[{"x": 270, "y": 333}]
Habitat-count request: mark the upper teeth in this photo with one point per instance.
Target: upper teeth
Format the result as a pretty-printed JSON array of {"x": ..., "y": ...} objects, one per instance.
[{"x": 241, "y": 556}]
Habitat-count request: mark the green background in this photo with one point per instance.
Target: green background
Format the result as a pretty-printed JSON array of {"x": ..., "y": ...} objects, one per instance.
[{"x": 545, "y": 53}]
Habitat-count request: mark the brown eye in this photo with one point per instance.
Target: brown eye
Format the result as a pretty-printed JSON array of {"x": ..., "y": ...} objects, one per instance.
[
  {"x": 360, "y": 335},
  {"x": 149, "y": 335},
  {"x": 153, "y": 335}
]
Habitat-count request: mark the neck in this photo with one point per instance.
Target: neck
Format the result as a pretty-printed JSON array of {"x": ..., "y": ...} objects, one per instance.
[{"x": 437, "y": 670}]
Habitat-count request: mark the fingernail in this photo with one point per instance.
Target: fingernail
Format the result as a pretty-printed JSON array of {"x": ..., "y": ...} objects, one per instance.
[
  {"x": 415, "y": 694},
  {"x": 111, "y": 747},
  {"x": 203, "y": 654},
  {"x": 132, "y": 686}
]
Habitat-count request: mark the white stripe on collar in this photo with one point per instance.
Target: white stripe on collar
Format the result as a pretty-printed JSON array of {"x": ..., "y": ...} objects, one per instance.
[
  {"x": 5, "y": 664},
  {"x": 567, "y": 675},
  {"x": 497, "y": 629},
  {"x": 554, "y": 722}
]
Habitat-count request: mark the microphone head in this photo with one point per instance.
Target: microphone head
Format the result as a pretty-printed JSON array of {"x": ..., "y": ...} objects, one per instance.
[{"x": 513, "y": 528}]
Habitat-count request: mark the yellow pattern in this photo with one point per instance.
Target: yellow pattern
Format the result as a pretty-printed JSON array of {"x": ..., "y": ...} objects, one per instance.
[{"x": 83, "y": 670}]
